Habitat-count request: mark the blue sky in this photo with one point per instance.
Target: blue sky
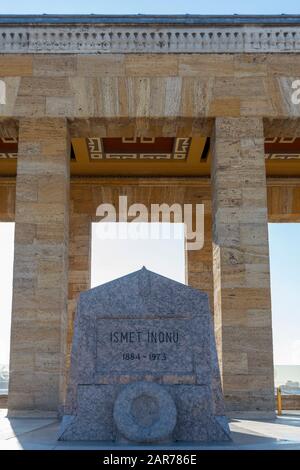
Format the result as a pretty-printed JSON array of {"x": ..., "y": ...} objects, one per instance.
[
  {"x": 217, "y": 7},
  {"x": 165, "y": 256},
  {"x": 6, "y": 276},
  {"x": 285, "y": 283}
]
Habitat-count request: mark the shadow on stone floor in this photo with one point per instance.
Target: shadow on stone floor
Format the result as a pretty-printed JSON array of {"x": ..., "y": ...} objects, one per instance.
[
  {"x": 44, "y": 436},
  {"x": 41, "y": 433}
]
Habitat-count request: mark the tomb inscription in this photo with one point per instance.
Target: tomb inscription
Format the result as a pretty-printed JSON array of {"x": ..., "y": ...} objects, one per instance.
[{"x": 150, "y": 346}]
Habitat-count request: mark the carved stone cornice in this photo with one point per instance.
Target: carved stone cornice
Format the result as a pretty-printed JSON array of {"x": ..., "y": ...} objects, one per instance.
[{"x": 140, "y": 34}]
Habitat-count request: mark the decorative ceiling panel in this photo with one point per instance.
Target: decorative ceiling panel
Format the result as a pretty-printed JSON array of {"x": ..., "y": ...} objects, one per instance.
[
  {"x": 8, "y": 148},
  {"x": 138, "y": 148},
  {"x": 283, "y": 148},
  {"x": 159, "y": 156},
  {"x": 141, "y": 156}
]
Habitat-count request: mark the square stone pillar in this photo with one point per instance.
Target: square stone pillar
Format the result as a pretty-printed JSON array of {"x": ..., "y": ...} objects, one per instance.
[
  {"x": 39, "y": 311},
  {"x": 241, "y": 267}
]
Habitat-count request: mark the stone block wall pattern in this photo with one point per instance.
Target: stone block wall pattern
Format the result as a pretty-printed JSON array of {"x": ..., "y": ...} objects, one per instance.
[
  {"x": 39, "y": 311},
  {"x": 242, "y": 298},
  {"x": 185, "y": 86}
]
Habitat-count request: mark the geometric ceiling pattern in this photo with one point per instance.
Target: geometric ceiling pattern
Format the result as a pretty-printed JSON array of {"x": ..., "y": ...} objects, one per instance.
[
  {"x": 150, "y": 156},
  {"x": 141, "y": 156},
  {"x": 8, "y": 148},
  {"x": 282, "y": 148},
  {"x": 138, "y": 148}
]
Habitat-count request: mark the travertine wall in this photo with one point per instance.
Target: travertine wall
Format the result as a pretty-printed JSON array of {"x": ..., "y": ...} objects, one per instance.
[
  {"x": 243, "y": 320},
  {"x": 173, "y": 86},
  {"x": 7, "y": 199},
  {"x": 39, "y": 310},
  {"x": 86, "y": 194},
  {"x": 284, "y": 200},
  {"x": 283, "y": 196},
  {"x": 145, "y": 94}
]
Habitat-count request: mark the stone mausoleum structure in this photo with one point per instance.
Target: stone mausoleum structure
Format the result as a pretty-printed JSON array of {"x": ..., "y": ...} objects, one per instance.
[
  {"x": 144, "y": 365},
  {"x": 172, "y": 109}
]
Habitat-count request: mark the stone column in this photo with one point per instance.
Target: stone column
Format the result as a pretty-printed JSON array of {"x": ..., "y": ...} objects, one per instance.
[
  {"x": 39, "y": 312},
  {"x": 241, "y": 266}
]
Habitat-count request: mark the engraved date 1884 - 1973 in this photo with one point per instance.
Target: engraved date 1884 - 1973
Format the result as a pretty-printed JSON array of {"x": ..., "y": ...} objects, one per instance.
[{"x": 139, "y": 357}]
